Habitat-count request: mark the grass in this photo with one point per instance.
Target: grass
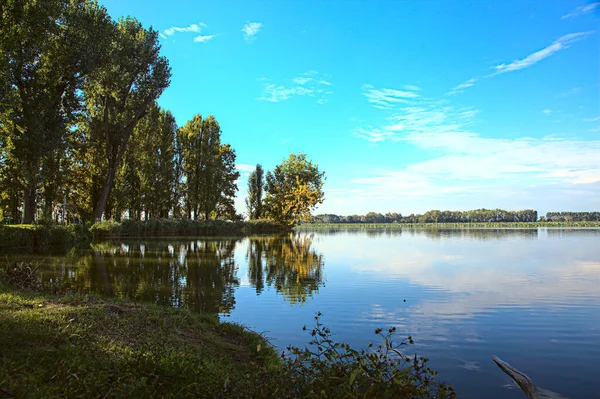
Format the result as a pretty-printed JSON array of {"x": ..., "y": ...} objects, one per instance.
[
  {"x": 41, "y": 235},
  {"x": 88, "y": 347},
  {"x": 37, "y": 235},
  {"x": 81, "y": 346},
  {"x": 492, "y": 225}
]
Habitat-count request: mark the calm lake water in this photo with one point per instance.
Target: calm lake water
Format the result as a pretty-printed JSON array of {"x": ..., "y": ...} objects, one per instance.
[{"x": 531, "y": 297}]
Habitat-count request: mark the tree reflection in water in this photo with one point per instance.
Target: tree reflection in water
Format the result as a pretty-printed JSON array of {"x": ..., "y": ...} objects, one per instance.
[
  {"x": 200, "y": 275},
  {"x": 287, "y": 263}
]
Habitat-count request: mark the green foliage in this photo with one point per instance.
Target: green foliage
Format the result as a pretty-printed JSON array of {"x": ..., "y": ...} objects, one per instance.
[
  {"x": 329, "y": 369},
  {"x": 293, "y": 190},
  {"x": 181, "y": 227},
  {"x": 254, "y": 201},
  {"x": 77, "y": 346},
  {"x": 47, "y": 50},
  {"x": 39, "y": 235},
  {"x": 209, "y": 170},
  {"x": 104, "y": 348},
  {"x": 572, "y": 216},
  {"x": 120, "y": 94},
  {"x": 21, "y": 275},
  {"x": 435, "y": 216},
  {"x": 483, "y": 225}
]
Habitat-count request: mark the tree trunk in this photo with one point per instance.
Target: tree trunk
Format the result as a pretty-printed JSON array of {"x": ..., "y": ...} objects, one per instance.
[
  {"x": 29, "y": 204},
  {"x": 101, "y": 204},
  {"x": 48, "y": 197}
]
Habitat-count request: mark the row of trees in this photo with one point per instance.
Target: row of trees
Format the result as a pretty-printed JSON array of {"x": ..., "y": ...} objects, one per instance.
[
  {"x": 81, "y": 132},
  {"x": 572, "y": 216},
  {"x": 75, "y": 85},
  {"x": 435, "y": 216}
]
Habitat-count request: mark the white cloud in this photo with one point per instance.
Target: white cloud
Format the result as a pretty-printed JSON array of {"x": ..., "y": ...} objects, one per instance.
[
  {"x": 309, "y": 84},
  {"x": 596, "y": 119},
  {"x": 251, "y": 29},
  {"x": 463, "y": 162},
  {"x": 191, "y": 28},
  {"x": 411, "y": 87},
  {"x": 385, "y": 98},
  {"x": 244, "y": 167},
  {"x": 203, "y": 39},
  {"x": 581, "y": 10},
  {"x": 465, "y": 85},
  {"x": 547, "y": 111},
  {"x": 561, "y": 43}
]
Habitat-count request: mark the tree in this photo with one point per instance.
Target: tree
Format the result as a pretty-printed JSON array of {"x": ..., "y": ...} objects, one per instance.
[
  {"x": 120, "y": 94},
  {"x": 208, "y": 169},
  {"x": 254, "y": 201},
  {"x": 48, "y": 49},
  {"x": 293, "y": 190},
  {"x": 146, "y": 181}
]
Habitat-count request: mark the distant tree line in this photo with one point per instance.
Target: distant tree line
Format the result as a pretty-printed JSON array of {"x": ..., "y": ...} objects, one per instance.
[
  {"x": 472, "y": 216},
  {"x": 572, "y": 216},
  {"x": 435, "y": 216},
  {"x": 81, "y": 131}
]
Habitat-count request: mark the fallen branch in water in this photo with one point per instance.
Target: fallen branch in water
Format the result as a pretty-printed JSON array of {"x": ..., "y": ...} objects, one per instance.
[{"x": 521, "y": 379}]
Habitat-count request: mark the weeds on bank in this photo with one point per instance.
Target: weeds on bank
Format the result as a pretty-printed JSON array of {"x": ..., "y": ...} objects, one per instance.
[{"x": 81, "y": 346}]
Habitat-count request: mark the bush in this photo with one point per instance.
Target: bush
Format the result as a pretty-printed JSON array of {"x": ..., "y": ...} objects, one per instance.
[
  {"x": 181, "y": 227},
  {"x": 21, "y": 275},
  {"x": 331, "y": 369}
]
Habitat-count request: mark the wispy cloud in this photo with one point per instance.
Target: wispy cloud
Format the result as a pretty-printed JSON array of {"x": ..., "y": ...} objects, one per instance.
[
  {"x": 251, "y": 29},
  {"x": 386, "y": 98},
  {"x": 244, "y": 167},
  {"x": 561, "y": 43},
  {"x": 191, "y": 28},
  {"x": 411, "y": 113},
  {"x": 547, "y": 111},
  {"x": 310, "y": 84},
  {"x": 568, "y": 93},
  {"x": 203, "y": 39},
  {"x": 461, "y": 160},
  {"x": 411, "y": 87},
  {"x": 596, "y": 119},
  {"x": 581, "y": 10}
]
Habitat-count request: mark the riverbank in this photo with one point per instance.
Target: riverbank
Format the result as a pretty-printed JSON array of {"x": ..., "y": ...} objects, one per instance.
[
  {"x": 483, "y": 225},
  {"x": 75, "y": 346},
  {"x": 88, "y": 346},
  {"x": 35, "y": 236}
]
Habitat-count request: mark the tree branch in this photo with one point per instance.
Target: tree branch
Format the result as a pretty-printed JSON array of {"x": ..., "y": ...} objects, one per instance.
[{"x": 521, "y": 379}]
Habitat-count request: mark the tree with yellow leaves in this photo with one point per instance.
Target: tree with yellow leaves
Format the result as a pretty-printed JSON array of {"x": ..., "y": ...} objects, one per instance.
[{"x": 293, "y": 189}]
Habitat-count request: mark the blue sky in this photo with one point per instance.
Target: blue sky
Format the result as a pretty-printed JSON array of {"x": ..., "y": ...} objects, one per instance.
[{"x": 407, "y": 106}]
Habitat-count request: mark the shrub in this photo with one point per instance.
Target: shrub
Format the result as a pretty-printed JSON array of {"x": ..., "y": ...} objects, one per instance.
[
  {"x": 21, "y": 275},
  {"x": 329, "y": 369}
]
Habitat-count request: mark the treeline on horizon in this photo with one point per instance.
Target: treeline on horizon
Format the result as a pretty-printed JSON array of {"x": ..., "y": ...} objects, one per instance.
[
  {"x": 471, "y": 216},
  {"x": 81, "y": 131}
]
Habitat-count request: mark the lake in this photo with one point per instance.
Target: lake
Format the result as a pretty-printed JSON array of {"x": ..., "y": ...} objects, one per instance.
[{"x": 531, "y": 297}]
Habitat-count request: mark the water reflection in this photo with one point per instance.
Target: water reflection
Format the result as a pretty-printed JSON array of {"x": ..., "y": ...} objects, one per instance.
[
  {"x": 287, "y": 263},
  {"x": 477, "y": 234},
  {"x": 201, "y": 275}
]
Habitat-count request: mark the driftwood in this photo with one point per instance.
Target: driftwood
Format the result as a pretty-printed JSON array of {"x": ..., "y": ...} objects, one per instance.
[{"x": 521, "y": 379}]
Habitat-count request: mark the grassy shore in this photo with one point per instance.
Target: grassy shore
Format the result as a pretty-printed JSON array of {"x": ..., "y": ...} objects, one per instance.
[
  {"x": 484, "y": 225},
  {"x": 35, "y": 236},
  {"x": 74, "y": 346},
  {"x": 88, "y": 347}
]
